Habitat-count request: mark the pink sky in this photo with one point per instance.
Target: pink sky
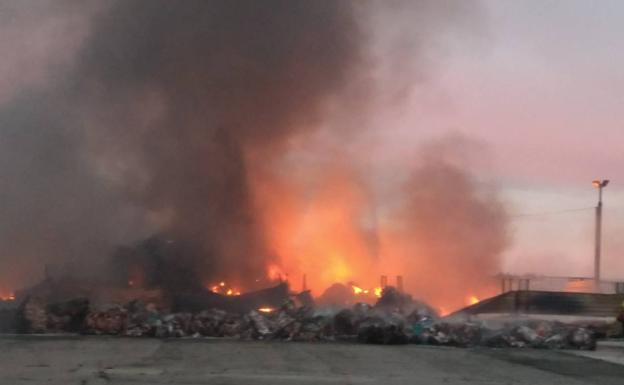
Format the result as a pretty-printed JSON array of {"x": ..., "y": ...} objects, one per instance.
[{"x": 544, "y": 90}]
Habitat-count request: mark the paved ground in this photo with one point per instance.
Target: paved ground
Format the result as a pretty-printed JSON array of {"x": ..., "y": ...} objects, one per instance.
[
  {"x": 93, "y": 360},
  {"x": 610, "y": 351}
]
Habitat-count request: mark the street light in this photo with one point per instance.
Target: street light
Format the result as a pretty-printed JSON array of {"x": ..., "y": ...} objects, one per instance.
[{"x": 599, "y": 184}]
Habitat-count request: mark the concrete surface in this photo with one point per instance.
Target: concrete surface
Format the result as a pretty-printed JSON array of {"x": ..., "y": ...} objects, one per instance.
[
  {"x": 609, "y": 350},
  {"x": 102, "y": 360}
]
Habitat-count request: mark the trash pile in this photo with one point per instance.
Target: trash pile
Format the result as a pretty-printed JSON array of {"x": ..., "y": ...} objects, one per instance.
[{"x": 393, "y": 320}]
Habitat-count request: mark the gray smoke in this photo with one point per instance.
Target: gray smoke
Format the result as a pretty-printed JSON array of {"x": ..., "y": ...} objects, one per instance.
[
  {"x": 145, "y": 116},
  {"x": 154, "y": 117},
  {"x": 453, "y": 225}
]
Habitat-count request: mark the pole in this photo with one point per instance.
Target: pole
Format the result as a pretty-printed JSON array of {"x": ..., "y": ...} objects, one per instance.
[{"x": 598, "y": 238}]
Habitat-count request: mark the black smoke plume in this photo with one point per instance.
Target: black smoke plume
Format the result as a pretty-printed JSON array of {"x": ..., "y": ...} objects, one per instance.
[{"x": 156, "y": 115}]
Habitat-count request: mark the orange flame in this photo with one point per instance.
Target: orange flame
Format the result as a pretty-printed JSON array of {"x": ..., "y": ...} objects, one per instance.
[
  {"x": 223, "y": 288},
  {"x": 266, "y": 309},
  {"x": 473, "y": 300},
  {"x": 358, "y": 290}
]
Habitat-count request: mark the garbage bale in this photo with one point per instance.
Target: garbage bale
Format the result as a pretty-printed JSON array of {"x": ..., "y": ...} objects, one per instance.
[
  {"x": 376, "y": 330},
  {"x": 283, "y": 325},
  {"x": 313, "y": 328},
  {"x": 344, "y": 322},
  {"x": 464, "y": 334},
  {"x": 261, "y": 325},
  {"x": 111, "y": 321},
  {"x": 174, "y": 325},
  {"x": 495, "y": 339},
  {"x": 582, "y": 338},
  {"x": 555, "y": 341},
  {"x": 31, "y": 316},
  {"x": 208, "y": 322},
  {"x": 68, "y": 315},
  {"x": 527, "y": 335},
  {"x": 55, "y": 324},
  {"x": 420, "y": 331},
  {"x": 233, "y": 326}
]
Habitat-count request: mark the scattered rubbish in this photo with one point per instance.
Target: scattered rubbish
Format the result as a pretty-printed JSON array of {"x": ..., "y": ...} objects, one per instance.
[{"x": 395, "y": 319}]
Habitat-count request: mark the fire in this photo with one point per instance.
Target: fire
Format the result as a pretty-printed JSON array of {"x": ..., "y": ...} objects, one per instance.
[
  {"x": 317, "y": 234},
  {"x": 473, "y": 300},
  {"x": 7, "y": 297},
  {"x": 223, "y": 288},
  {"x": 266, "y": 309},
  {"x": 359, "y": 291}
]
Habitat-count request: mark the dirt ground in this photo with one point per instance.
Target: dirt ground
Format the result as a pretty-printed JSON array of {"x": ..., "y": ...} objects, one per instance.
[{"x": 103, "y": 360}]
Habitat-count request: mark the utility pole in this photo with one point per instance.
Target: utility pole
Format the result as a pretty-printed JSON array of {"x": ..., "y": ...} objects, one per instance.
[{"x": 599, "y": 184}]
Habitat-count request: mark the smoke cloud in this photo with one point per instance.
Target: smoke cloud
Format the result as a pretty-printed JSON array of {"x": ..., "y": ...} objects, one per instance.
[
  {"x": 450, "y": 228},
  {"x": 228, "y": 127}
]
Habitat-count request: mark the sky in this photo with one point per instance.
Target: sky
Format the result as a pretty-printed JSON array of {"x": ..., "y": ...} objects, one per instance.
[{"x": 542, "y": 88}]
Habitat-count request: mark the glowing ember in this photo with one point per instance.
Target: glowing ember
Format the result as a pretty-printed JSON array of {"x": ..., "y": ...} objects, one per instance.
[
  {"x": 8, "y": 297},
  {"x": 266, "y": 309},
  {"x": 223, "y": 288},
  {"x": 357, "y": 290},
  {"x": 473, "y": 300},
  {"x": 365, "y": 292}
]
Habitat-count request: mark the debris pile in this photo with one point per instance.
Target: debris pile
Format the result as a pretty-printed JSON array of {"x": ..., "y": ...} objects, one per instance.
[{"x": 393, "y": 320}]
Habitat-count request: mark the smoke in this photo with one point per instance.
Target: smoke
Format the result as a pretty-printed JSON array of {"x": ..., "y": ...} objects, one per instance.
[
  {"x": 157, "y": 112},
  {"x": 450, "y": 228},
  {"x": 232, "y": 127}
]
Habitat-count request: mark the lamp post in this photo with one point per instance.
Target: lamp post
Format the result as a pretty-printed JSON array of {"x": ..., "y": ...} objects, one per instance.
[{"x": 599, "y": 184}]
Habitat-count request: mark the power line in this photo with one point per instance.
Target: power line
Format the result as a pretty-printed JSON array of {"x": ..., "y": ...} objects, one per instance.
[{"x": 558, "y": 212}]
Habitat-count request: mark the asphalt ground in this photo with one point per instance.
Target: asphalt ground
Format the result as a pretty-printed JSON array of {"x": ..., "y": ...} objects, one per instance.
[{"x": 114, "y": 360}]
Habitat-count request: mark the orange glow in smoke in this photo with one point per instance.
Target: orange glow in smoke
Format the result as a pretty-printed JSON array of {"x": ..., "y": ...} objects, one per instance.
[
  {"x": 266, "y": 309},
  {"x": 316, "y": 232},
  {"x": 7, "y": 297},
  {"x": 473, "y": 300},
  {"x": 275, "y": 273},
  {"x": 324, "y": 225}
]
